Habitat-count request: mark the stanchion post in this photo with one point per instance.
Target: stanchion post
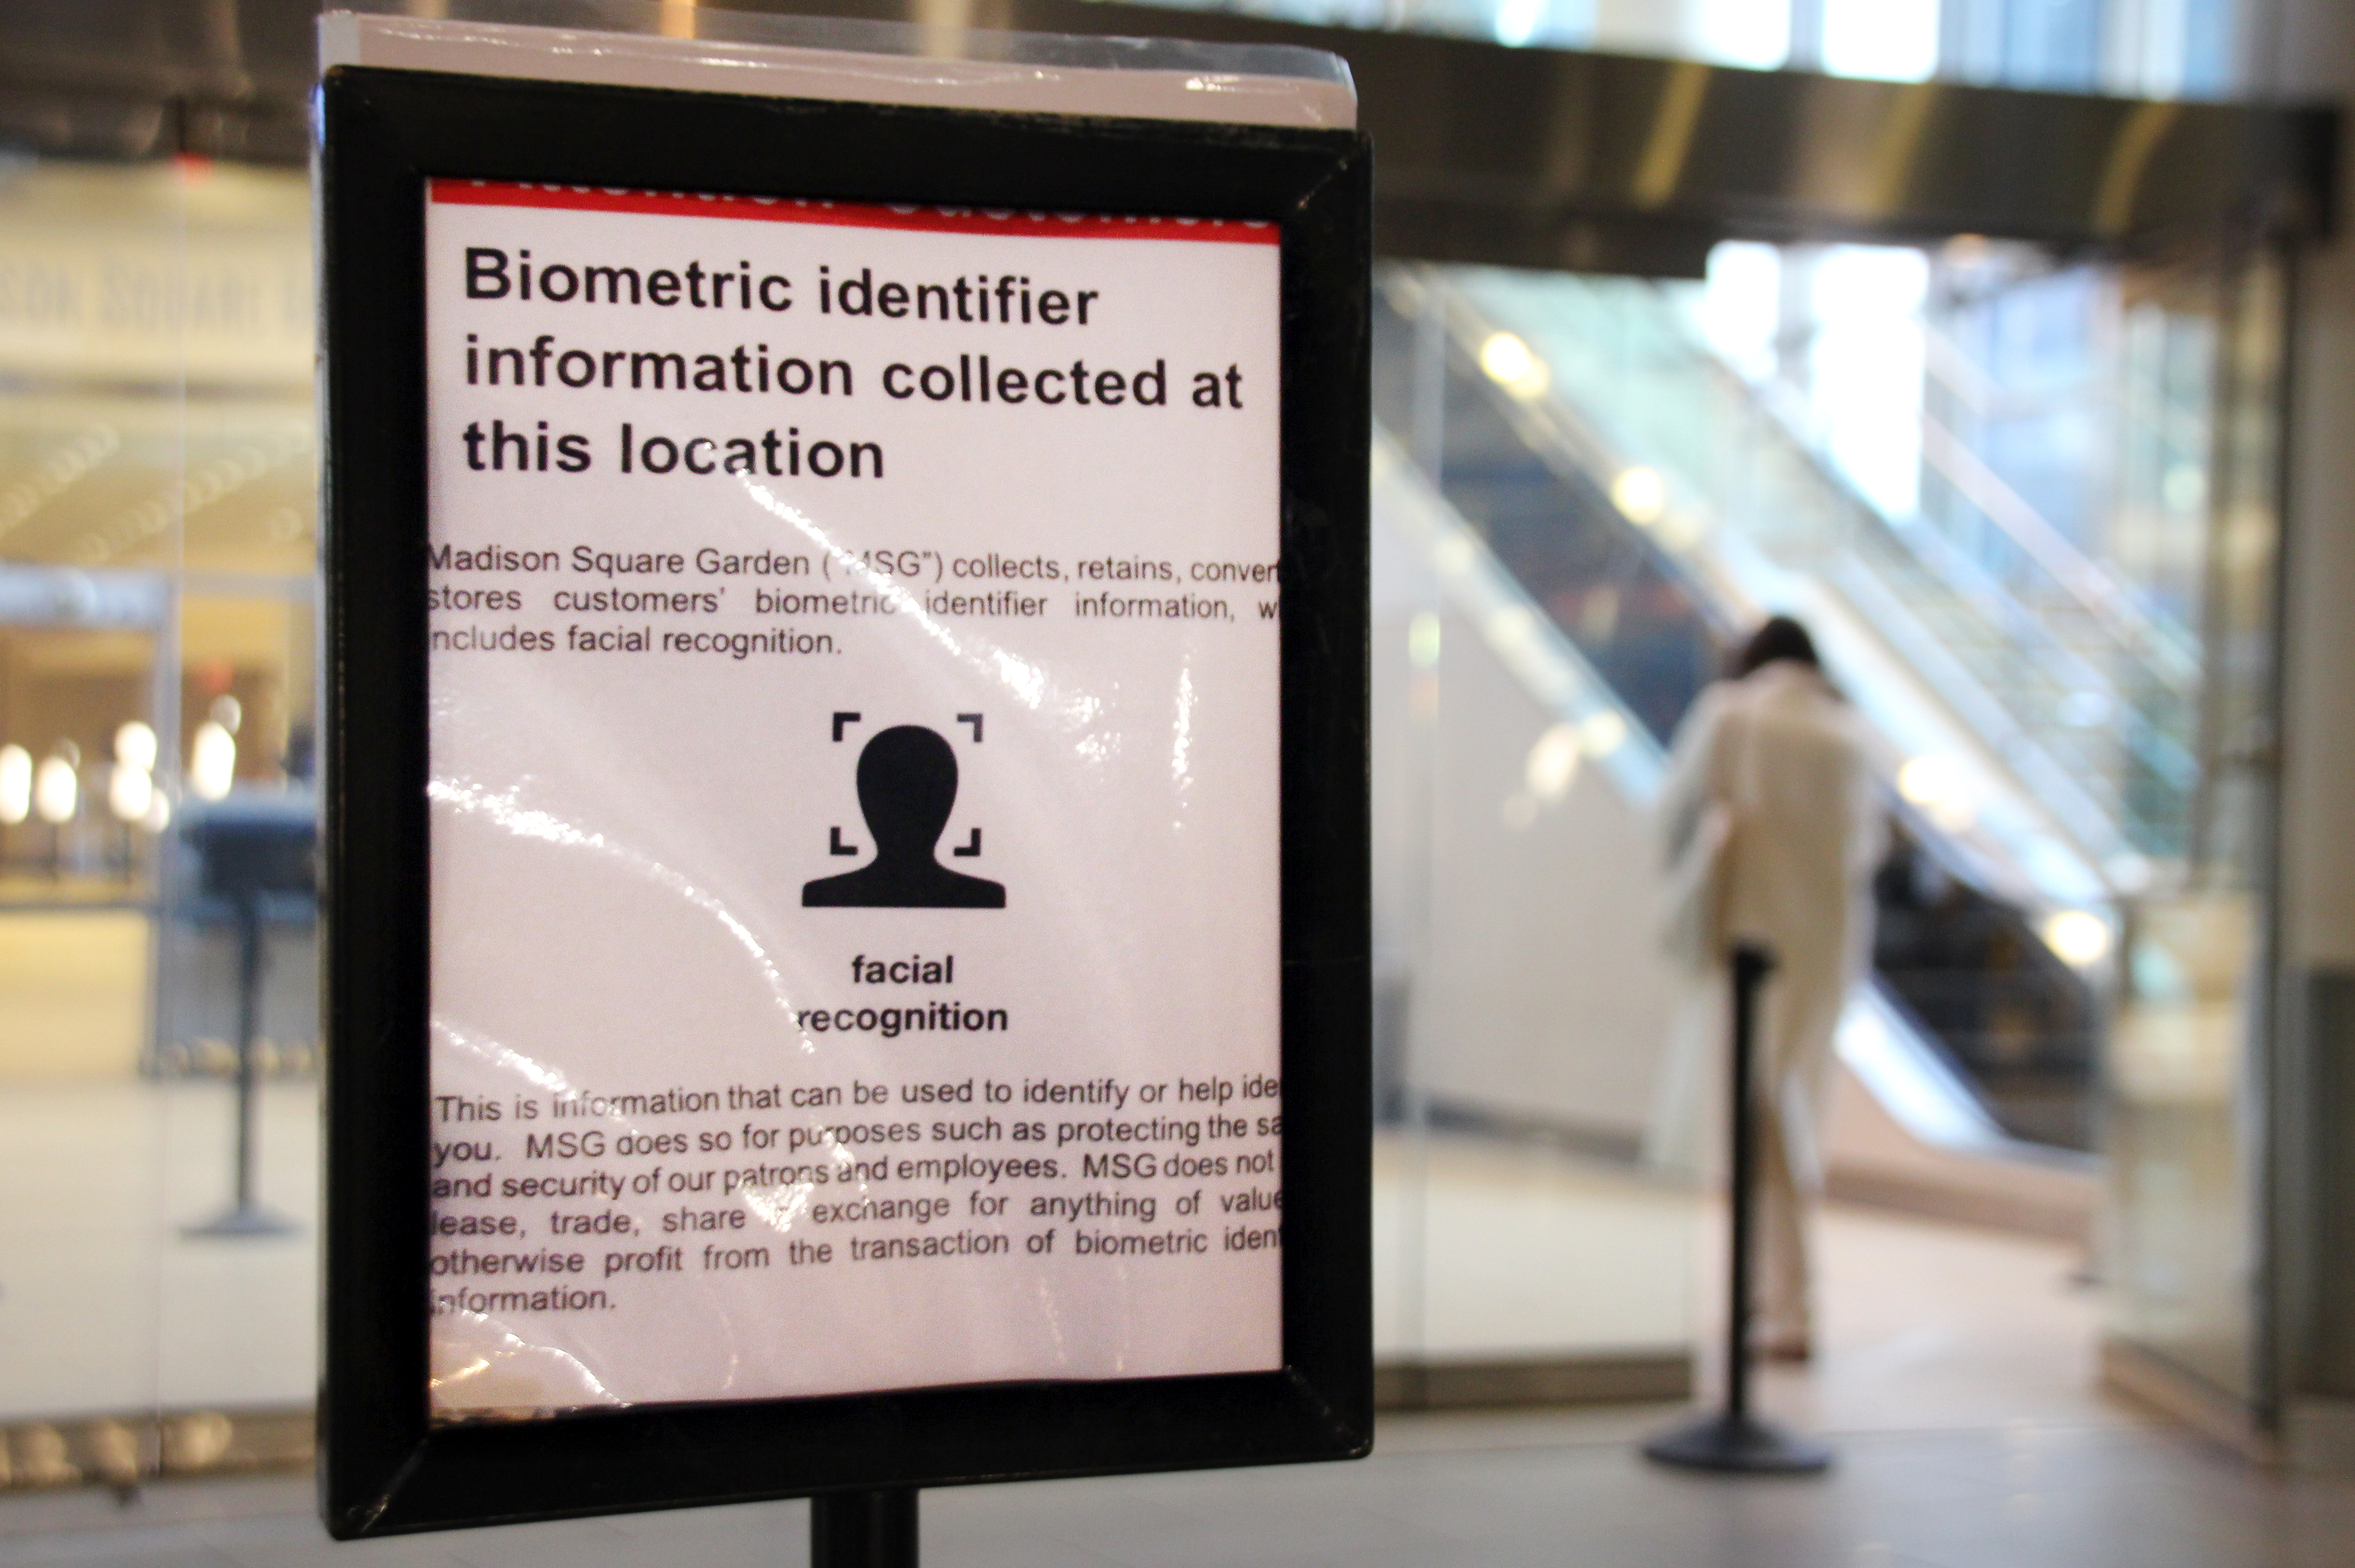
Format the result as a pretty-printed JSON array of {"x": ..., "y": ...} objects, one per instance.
[
  {"x": 1751, "y": 965},
  {"x": 248, "y": 1025},
  {"x": 864, "y": 1529},
  {"x": 1730, "y": 1438},
  {"x": 245, "y": 1215}
]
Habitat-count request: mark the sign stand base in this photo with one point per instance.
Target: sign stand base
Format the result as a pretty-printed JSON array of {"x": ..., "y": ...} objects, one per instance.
[
  {"x": 1724, "y": 1441},
  {"x": 864, "y": 1529}
]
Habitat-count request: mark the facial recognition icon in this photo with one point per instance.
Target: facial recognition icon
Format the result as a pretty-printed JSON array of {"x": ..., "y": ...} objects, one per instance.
[{"x": 906, "y": 787}]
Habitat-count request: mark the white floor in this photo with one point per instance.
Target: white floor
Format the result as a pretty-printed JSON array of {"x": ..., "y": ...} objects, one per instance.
[
  {"x": 1526, "y": 1492},
  {"x": 1490, "y": 1251},
  {"x": 1957, "y": 1378},
  {"x": 105, "y": 1306},
  {"x": 1934, "y": 1327}
]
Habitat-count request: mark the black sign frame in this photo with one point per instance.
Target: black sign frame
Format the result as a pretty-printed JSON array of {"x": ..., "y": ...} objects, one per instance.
[{"x": 385, "y": 1467}]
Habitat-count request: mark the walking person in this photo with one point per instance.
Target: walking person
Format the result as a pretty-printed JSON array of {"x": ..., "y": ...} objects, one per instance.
[{"x": 1773, "y": 828}]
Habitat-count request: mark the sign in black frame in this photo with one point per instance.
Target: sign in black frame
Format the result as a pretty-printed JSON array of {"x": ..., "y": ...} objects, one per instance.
[{"x": 385, "y": 1467}]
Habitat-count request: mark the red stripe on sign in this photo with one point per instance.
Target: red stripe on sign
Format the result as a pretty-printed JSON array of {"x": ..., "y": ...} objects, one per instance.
[{"x": 853, "y": 215}]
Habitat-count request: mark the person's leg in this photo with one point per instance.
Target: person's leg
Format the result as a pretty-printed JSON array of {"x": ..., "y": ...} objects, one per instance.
[
  {"x": 1801, "y": 1017},
  {"x": 1785, "y": 1322}
]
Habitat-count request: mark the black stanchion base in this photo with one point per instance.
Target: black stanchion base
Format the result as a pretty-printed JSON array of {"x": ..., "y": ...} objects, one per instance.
[
  {"x": 245, "y": 1220},
  {"x": 1739, "y": 1443}
]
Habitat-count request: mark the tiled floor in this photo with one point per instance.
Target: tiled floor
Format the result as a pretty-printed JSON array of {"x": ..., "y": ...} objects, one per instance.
[
  {"x": 105, "y": 1304},
  {"x": 1934, "y": 1327},
  {"x": 1956, "y": 1379},
  {"x": 1491, "y": 1250},
  {"x": 1517, "y": 1251},
  {"x": 1503, "y": 1491}
]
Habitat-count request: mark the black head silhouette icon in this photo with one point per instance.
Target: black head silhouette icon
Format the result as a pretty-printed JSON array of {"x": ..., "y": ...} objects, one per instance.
[{"x": 906, "y": 787}]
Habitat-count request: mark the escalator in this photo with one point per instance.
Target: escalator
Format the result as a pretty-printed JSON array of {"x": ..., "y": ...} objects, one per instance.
[
  {"x": 1958, "y": 955},
  {"x": 2083, "y": 698}
]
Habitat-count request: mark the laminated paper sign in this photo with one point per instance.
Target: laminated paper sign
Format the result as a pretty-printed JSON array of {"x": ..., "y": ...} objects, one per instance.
[{"x": 854, "y": 758}]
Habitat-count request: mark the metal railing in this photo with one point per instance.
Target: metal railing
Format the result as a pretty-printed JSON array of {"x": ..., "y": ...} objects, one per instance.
[
  {"x": 1634, "y": 594},
  {"x": 2082, "y": 693}
]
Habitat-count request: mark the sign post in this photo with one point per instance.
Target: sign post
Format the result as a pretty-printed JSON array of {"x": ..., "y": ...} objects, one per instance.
[
  {"x": 846, "y": 824},
  {"x": 1732, "y": 1439},
  {"x": 863, "y": 1530},
  {"x": 254, "y": 854}
]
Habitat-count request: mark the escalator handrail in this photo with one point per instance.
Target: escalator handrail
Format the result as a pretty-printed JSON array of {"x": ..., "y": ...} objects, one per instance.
[
  {"x": 1891, "y": 1052},
  {"x": 1986, "y": 601}
]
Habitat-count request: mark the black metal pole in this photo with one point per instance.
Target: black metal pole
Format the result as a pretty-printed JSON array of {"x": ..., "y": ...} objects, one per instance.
[
  {"x": 245, "y": 1215},
  {"x": 1732, "y": 1439},
  {"x": 1751, "y": 965},
  {"x": 248, "y": 1025},
  {"x": 864, "y": 1529}
]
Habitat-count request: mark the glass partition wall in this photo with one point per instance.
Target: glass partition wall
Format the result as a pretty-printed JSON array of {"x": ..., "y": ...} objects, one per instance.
[
  {"x": 157, "y": 628},
  {"x": 2195, "y": 1016},
  {"x": 2026, "y": 504},
  {"x": 2029, "y": 504}
]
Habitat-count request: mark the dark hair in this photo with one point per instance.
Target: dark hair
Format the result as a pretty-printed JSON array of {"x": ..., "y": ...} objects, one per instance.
[{"x": 1780, "y": 638}]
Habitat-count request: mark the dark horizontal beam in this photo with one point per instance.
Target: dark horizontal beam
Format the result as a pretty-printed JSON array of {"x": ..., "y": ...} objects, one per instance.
[
  {"x": 1538, "y": 157},
  {"x": 1519, "y": 156}
]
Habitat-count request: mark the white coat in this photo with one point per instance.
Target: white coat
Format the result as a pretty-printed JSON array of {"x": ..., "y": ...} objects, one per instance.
[{"x": 1784, "y": 758}]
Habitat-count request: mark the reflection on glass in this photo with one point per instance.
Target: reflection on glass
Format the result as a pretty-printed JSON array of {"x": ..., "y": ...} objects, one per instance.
[
  {"x": 56, "y": 789},
  {"x": 212, "y": 762},
  {"x": 2147, "y": 48},
  {"x": 135, "y": 746},
  {"x": 2190, "y": 965},
  {"x": 15, "y": 785},
  {"x": 2055, "y": 529},
  {"x": 129, "y": 792},
  {"x": 2023, "y": 504},
  {"x": 156, "y": 496}
]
